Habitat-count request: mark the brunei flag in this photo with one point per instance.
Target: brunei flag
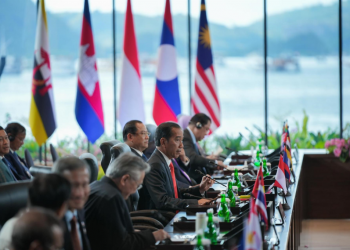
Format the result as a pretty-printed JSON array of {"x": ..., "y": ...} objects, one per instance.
[{"x": 42, "y": 118}]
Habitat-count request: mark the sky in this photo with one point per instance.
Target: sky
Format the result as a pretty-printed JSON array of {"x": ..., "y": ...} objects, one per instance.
[{"x": 227, "y": 12}]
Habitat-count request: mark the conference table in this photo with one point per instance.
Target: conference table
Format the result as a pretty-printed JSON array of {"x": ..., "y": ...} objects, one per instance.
[{"x": 318, "y": 176}]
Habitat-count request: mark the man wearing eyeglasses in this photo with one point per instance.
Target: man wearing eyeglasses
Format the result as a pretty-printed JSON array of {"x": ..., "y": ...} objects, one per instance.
[
  {"x": 107, "y": 217},
  {"x": 5, "y": 171},
  {"x": 136, "y": 136}
]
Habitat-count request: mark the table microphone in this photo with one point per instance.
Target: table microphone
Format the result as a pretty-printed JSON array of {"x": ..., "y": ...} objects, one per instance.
[
  {"x": 209, "y": 177},
  {"x": 248, "y": 140}
]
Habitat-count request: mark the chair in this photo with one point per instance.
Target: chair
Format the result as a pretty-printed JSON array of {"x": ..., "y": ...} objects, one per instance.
[
  {"x": 53, "y": 153},
  {"x": 106, "y": 153},
  {"x": 35, "y": 170},
  {"x": 91, "y": 160},
  {"x": 162, "y": 216},
  {"x": 29, "y": 159},
  {"x": 151, "y": 141},
  {"x": 13, "y": 197}
]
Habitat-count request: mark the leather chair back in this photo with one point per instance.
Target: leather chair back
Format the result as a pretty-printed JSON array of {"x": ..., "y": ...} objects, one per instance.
[
  {"x": 151, "y": 141},
  {"x": 106, "y": 153},
  {"x": 119, "y": 149},
  {"x": 53, "y": 153},
  {"x": 35, "y": 170},
  {"x": 29, "y": 159},
  {"x": 13, "y": 197},
  {"x": 91, "y": 160}
]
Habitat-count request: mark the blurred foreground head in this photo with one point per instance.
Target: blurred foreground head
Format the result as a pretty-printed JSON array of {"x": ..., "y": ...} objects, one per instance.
[{"x": 37, "y": 229}]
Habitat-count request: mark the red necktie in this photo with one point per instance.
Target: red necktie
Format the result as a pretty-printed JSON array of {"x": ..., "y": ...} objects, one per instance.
[
  {"x": 171, "y": 166},
  {"x": 74, "y": 234}
]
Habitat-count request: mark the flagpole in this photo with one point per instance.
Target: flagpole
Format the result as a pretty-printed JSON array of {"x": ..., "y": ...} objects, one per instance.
[
  {"x": 189, "y": 51},
  {"x": 45, "y": 154},
  {"x": 265, "y": 69},
  {"x": 114, "y": 72},
  {"x": 340, "y": 70}
]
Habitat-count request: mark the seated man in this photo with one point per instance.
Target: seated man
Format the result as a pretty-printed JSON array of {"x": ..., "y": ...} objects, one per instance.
[
  {"x": 77, "y": 173},
  {"x": 17, "y": 133},
  {"x": 198, "y": 127},
  {"x": 160, "y": 186},
  {"x": 107, "y": 217},
  {"x": 50, "y": 191},
  {"x": 37, "y": 229},
  {"x": 136, "y": 136},
  {"x": 5, "y": 168}
]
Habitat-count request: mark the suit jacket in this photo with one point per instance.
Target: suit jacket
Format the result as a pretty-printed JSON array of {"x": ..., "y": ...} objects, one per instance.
[
  {"x": 158, "y": 189},
  {"x": 22, "y": 172},
  {"x": 197, "y": 160},
  {"x": 108, "y": 221},
  {"x": 84, "y": 237},
  {"x": 5, "y": 173}
]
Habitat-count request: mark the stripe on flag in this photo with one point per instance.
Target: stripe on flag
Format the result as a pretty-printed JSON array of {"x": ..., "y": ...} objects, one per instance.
[
  {"x": 166, "y": 104},
  {"x": 88, "y": 105},
  {"x": 205, "y": 99},
  {"x": 42, "y": 117},
  {"x": 131, "y": 104}
]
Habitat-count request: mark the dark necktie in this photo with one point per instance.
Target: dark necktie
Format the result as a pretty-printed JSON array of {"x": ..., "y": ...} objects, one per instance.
[
  {"x": 74, "y": 234},
  {"x": 144, "y": 157}
]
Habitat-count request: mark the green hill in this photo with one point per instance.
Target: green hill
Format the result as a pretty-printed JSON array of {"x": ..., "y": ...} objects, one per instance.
[{"x": 309, "y": 31}]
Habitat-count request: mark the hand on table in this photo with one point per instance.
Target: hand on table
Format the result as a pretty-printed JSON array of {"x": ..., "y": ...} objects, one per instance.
[
  {"x": 160, "y": 235},
  {"x": 204, "y": 201}
]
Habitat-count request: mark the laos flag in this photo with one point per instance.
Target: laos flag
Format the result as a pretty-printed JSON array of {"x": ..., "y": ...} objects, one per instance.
[
  {"x": 88, "y": 105},
  {"x": 166, "y": 104}
]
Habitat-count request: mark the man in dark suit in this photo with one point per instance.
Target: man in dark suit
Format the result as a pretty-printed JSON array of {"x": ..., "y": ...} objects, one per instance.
[
  {"x": 160, "y": 186},
  {"x": 5, "y": 170},
  {"x": 136, "y": 135},
  {"x": 107, "y": 217},
  {"x": 198, "y": 127},
  {"x": 17, "y": 133},
  {"x": 76, "y": 171}
]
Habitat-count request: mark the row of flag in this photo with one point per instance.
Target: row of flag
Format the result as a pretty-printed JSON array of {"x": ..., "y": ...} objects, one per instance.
[
  {"x": 88, "y": 106},
  {"x": 252, "y": 237}
]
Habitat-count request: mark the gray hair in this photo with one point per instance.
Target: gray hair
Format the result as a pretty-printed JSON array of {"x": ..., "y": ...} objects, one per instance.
[
  {"x": 127, "y": 163},
  {"x": 69, "y": 163}
]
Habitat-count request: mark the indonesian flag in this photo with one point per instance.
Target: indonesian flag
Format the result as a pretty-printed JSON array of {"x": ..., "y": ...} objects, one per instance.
[
  {"x": 131, "y": 105},
  {"x": 280, "y": 176}
]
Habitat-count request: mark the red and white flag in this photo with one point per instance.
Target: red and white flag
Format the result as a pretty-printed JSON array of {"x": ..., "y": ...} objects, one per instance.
[
  {"x": 131, "y": 106},
  {"x": 280, "y": 176}
]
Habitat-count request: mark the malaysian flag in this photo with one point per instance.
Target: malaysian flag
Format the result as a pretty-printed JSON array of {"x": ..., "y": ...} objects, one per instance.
[{"x": 205, "y": 99}]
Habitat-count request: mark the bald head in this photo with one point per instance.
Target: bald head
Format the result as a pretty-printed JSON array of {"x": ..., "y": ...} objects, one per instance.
[{"x": 37, "y": 228}]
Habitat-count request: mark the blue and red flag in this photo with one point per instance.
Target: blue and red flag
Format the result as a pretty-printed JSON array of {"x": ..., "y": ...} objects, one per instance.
[
  {"x": 259, "y": 193},
  {"x": 167, "y": 104},
  {"x": 205, "y": 99},
  {"x": 88, "y": 105}
]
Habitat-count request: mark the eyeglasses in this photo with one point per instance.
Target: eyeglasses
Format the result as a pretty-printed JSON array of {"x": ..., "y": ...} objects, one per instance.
[
  {"x": 143, "y": 133},
  {"x": 4, "y": 138}
]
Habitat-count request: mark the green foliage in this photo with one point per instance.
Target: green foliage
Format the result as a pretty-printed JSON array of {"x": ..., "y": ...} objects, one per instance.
[{"x": 302, "y": 137}]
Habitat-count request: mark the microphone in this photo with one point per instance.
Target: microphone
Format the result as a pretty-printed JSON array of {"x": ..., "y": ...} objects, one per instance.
[
  {"x": 171, "y": 206},
  {"x": 193, "y": 196},
  {"x": 209, "y": 177},
  {"x": 248, "y": 140}
]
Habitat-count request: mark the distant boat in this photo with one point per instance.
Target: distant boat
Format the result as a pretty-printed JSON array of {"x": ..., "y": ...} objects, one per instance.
[{"x": 285, "y": 64}]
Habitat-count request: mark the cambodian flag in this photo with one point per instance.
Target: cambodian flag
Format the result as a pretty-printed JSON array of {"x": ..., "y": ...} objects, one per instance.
[
  {"x": 166, "y": 104},
  {"x": 88, "y": 105}
]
